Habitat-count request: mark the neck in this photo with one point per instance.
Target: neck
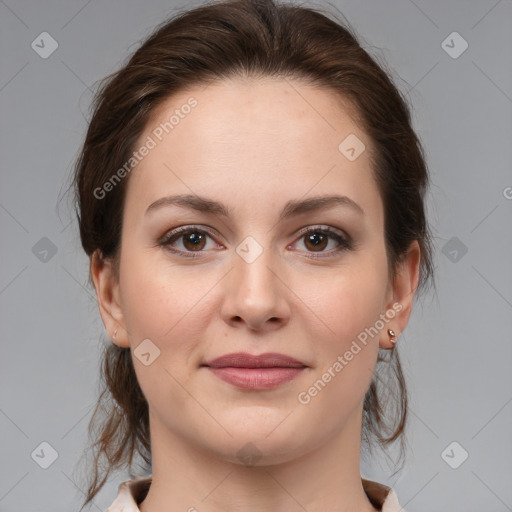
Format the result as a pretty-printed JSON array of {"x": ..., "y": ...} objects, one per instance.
[{"x": 186, "y": 477}]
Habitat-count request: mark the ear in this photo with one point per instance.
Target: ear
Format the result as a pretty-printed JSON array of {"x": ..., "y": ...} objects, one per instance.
[
  {"x": 401, "y": 293},
  {"x": 107, "y": 293}
]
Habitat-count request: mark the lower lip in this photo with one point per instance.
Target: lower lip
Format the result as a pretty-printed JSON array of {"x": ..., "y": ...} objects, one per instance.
[{"x": 256, "y": 378}]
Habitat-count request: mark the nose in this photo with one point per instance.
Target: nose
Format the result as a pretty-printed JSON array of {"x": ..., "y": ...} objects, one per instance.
[{"x": 256, "y": 294}]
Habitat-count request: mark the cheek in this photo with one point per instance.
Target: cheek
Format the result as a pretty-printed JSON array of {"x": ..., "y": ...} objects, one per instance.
[
  {"x": 360, "y": 300},
  {"x": 153, "y": 300},
  {"x": 346, "y": 343},
  {"x": 348, "y": 302},
  {"x": 167, "y": 304},
  {"x": 160, "y": 304}
]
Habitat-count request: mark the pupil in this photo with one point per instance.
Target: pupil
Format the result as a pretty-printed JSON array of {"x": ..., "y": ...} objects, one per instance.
[
  {"x": 315, "y": 236},
  {"x": 195, "y": 238}
]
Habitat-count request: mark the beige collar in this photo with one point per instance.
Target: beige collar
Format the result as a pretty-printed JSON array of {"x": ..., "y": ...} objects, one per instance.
[{"x": 132, "y": 492}]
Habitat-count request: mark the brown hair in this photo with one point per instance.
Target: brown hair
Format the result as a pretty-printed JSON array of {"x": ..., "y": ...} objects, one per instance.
[{"x": 256, "y": 39}]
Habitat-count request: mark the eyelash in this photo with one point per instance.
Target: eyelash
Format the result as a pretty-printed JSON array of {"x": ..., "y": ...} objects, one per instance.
[{"x": 345, "y": 244}]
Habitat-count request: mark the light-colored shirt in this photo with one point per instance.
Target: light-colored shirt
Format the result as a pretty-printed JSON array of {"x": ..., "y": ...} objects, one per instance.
[{"x": 132, "y": 492}]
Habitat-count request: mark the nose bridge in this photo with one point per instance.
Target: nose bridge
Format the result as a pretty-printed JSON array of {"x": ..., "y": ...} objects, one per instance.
[
  {"x": 256, "y": 293},
  {"x": 253, "y": 261}
]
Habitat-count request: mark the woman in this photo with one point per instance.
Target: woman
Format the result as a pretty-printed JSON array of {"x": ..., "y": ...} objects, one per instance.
[{"x": 251, "y": 197}]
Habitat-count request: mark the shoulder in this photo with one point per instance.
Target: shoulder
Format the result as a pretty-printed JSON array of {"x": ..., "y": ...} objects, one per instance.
[
  {"x": 381, "y": 496},
  {"x": 129, "y": 494}
]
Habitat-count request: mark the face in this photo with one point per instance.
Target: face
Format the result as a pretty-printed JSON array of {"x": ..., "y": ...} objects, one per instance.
[{"x": 260, "y": 267}]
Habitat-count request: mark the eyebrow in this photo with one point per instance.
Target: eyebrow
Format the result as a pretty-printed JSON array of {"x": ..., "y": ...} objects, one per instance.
[{"x": 292, "y": 208}]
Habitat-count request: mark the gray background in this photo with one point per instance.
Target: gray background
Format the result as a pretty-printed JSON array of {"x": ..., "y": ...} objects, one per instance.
[{"x": 457, "y": 349}]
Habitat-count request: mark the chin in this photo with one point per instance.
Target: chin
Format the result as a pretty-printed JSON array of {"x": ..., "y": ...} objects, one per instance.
[
  {"x": 252, "y": 453},
  {"x": 258, "y": 445}
]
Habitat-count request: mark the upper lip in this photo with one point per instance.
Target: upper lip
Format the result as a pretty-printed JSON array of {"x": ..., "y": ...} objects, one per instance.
[{"x": 245, "y": 360}]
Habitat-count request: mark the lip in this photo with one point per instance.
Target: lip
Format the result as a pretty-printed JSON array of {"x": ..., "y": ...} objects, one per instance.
[
  {"x": 256, "y": 372},
  {"x": 246, "y": 360}
]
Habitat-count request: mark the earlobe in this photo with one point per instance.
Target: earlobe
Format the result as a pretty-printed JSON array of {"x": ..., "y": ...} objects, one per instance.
[
  {"x": 401, "y": 294},
  {"x": 107, "y": 294}
]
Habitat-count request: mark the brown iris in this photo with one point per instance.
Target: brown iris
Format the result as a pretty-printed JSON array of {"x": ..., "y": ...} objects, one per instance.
[
  {"x": 196, "y": 241},
  {"x": 318, "y": 241}
]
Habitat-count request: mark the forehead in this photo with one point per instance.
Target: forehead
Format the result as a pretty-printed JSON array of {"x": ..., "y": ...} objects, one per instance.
[
  {"x": 252, "y": 136},
  {"x": 269, "y": 110}
]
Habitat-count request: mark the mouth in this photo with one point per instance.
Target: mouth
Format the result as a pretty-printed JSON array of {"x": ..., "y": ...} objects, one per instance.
[{"x": 255, "y": 372}]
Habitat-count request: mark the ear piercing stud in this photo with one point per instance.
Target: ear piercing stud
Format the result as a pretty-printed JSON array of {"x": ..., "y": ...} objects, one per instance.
[{"x": 392, "y": 335}]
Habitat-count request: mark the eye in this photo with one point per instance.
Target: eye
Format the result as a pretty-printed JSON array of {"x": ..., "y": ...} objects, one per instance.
[
  {"x": 316, "y": 239},
  {"x": 193, "y": 241}
]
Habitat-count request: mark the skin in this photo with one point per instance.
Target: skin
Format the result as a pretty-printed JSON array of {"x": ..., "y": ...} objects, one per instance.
[{"x": 254, "y": 145}]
